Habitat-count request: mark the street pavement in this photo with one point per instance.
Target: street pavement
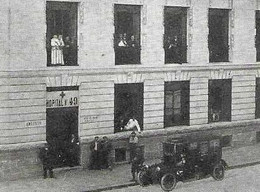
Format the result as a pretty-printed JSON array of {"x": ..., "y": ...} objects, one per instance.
[
  {"x": 79, "y": 180},
  {"x": 245, "y": 179}
]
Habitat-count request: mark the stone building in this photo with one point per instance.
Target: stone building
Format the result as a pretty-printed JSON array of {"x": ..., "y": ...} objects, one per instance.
[{"x": 181, "y": 67}]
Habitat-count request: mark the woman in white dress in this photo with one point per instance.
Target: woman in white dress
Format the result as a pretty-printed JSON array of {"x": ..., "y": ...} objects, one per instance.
[{"x": 57, "y": 45}]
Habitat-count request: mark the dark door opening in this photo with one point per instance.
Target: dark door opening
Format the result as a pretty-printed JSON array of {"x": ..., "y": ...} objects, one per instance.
[
  {"x": 62, "y": 135},
  {"x": 128, "y": 103}
]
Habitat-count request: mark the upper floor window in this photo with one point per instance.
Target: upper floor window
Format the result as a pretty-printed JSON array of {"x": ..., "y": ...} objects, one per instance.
[
  {"x": 127, "y": 34},
  {"x": 257, "y": 37},
  {"x": 257, "y": 98},
  {"x": 175, "y": 34},
  {"x": 176, "y": 103},
  {"x": 61, "y": 37},
  {"x": 218, "y": 22},
  {"x": 219, "y": 102}
]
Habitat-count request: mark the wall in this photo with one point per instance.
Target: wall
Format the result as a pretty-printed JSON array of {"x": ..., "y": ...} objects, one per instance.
[{"x": 24, "y": 75}]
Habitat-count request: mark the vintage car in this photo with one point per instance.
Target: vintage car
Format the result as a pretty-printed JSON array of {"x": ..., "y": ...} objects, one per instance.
[{"x": 185, "y": 159}]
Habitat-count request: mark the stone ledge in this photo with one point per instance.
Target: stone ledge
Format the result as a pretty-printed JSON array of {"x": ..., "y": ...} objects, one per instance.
[
  {"x": 22, "y": 146},
  {"x": 248, "y": 125}
]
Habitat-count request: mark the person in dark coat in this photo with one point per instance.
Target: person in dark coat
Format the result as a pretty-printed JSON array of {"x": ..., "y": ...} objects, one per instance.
[
  {"x": 73, "y": 151},
  {"x": 47, "y": 158},
  {"x": 106, "y": 148},
  {"x": 137, "y": 162},
  {"x": 133, "y": 143},
  {"x": 95, "y": 154}
]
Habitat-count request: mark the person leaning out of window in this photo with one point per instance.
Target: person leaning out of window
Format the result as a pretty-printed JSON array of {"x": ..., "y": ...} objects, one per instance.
[{"x": 133, "y": 125}]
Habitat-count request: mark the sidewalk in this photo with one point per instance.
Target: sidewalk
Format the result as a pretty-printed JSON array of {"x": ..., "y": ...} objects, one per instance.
[{"x": 93, "y": 180}]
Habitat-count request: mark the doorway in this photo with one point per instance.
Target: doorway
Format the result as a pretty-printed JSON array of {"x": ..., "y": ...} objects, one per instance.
[{"x": 61, "y": 127}]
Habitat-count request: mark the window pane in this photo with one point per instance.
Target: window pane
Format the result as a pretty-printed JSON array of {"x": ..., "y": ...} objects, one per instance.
[
  {"x": 127, "y": 34},
  {"x": 257, "y": 39},
  {"x": 61, "y": 37},
  {"x": 176, "y": 109},
  {"x": 219, "y": 100},
  {"x": 257, "y": 99},
  {"x": 175, "y": 39},
  {"x": 218, "y": 35}
]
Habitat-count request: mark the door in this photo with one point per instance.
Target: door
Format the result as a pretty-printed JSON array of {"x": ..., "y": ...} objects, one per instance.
[{"x": 61, "y": 124}]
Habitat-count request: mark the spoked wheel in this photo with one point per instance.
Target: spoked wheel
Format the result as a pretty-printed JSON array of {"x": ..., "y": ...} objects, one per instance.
[
  {"x": 142, "y": 178},
  {"x": 218, "y": 172},
  {"x": 168, "y": 182}
]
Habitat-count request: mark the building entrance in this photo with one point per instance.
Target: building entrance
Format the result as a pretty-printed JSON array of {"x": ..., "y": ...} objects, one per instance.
[{"x": 62, "y": 127}]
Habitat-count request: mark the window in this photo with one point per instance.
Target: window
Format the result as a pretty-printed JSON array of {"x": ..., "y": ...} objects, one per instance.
[
  {"x": 219, "y": 101},
  {"x": 226, "y": 140},
  {"x": 120, "y": 155},
  {"x": 258, "y": 137},
  {"x": 257, "y": 99},
  {"x": 257, "y": 38},
  {"x": 218, "y": 35},
  {"x": 175, "y": 34},
  {"x": 128, "y": 103},
  {"x": 176, "y": 103},
  {"x": 61, "y": 37},
  {"x": 127, "y": 34}
]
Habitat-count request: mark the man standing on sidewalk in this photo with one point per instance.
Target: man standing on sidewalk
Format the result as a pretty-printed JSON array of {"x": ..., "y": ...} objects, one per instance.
[
  {"x": 95, "y": 154},
  {"x": 133, "y": 142},
  {"x": 47, "y": 158},
  {"x": 137, "y": 162}
]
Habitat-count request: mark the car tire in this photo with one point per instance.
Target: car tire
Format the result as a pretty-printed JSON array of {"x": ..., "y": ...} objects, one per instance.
[
  {"x": 142, "y": 177},
  {"x": 218, "y": 172},
  {"x": 168, "y": 182}
]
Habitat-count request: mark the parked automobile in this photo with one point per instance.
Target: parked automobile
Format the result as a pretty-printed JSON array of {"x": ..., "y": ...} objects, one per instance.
[{"x": 184, "y": 159}]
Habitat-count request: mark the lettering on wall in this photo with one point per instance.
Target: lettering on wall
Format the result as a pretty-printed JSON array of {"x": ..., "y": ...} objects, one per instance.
[
  {"x": 34, "y": 123},
  {"x": 90, "y": 119},
  {"x": 57, "y": 99}
]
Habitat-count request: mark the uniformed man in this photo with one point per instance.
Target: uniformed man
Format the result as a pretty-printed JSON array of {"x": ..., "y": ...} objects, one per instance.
[
  {"x": 95, "y": 154},
  {"x": 136, "y": 163},
  {"x": 47, "y": 158},
  {"x": 106, "y": 148}
]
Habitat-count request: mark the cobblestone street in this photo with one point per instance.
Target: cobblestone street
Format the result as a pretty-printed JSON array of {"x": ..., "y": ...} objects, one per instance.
[{"x": 244, "y": 179}]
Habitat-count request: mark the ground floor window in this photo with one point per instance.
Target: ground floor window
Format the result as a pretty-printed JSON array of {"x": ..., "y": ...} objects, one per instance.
[
  {"x": 257, "y": 99},
  {"x": 219, "y": 100},
  {"x": 176, "y": 105},
  {"x": 128, "y": 105}
]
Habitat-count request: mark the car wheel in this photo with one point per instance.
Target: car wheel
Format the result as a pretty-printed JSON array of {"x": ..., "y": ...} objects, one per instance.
[
  {"x": 168, "y": 182},
  {"x": 142, "y": 178},
  {"x": 218, "y": 172}
]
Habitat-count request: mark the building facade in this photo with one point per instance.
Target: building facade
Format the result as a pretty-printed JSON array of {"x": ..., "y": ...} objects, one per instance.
[{"x": 181, "y": 67}]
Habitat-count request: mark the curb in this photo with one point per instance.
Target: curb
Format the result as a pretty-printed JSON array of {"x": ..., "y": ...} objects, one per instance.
[{"x": 120, "y": 186}]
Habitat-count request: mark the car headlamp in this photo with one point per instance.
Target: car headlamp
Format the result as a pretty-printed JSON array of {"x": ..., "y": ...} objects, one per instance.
[{"x": 158, "y": 168}]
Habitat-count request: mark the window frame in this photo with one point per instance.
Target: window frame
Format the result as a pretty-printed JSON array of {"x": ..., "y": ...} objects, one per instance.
[
  {"x": 183, "y": 88},
  {"x": 128, "y": 55},
  {"x": 182, "y": 45},
  {"x": 226, "y": 37},
  {"x": 223, "y": 113},
  {"x": 64, "y": 6}
]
